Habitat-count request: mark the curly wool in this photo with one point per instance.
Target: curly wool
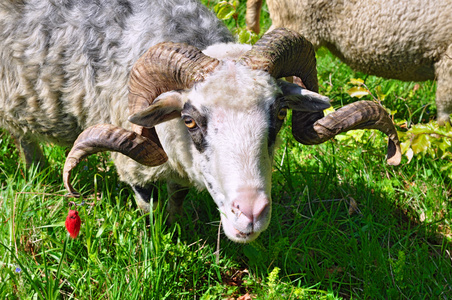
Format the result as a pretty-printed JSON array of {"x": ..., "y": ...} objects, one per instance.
[
  {"x": 64, "y": 64},
  {"x": 405, "y": 40}
]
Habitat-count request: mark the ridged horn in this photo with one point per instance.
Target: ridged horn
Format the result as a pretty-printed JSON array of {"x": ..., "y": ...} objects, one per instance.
[
  {"x": 164, "y": 67},
  {"x": 357, "y": 115},
  {"x": 284, "y": 53},
  {"x": 106, "y": 137}
]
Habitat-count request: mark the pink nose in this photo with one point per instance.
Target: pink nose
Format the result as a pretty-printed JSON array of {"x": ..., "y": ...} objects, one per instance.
[{"x": 252, "y": 204}]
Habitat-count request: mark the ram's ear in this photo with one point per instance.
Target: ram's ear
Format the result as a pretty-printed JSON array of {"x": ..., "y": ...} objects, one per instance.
[
  {"x": 165, "y": 107},
  {"x": 301, "y": 99}
]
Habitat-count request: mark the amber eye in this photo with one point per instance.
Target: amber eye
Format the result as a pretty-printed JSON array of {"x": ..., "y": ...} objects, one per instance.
[
  {"x": 282, "y": 113},
  {"x": 190, "y": 123}
]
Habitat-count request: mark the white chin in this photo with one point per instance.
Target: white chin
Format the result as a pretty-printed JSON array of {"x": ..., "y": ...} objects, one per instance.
[{"x": 235, "y": 235}]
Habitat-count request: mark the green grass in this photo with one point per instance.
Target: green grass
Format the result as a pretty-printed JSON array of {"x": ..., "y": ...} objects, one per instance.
[{"x": 344, "y": 224}]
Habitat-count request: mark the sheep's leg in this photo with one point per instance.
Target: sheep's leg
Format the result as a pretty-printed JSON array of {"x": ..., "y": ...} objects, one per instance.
[
  {"x": 253, "y": 13},
  {"x": 177, "y": 195},
  {"x": 444, "y": 87},
  {"x": 31, "y": 152},
  {"x": 146, "y": 197}
]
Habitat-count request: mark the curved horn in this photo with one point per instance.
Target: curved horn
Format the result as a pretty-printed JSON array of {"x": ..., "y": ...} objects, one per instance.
[
  {"x": 164, "y": 67},
  {"x": 106, "y": 137},
  {"x": 284, "y": 53},
  {"x": 358, "y": 115}
]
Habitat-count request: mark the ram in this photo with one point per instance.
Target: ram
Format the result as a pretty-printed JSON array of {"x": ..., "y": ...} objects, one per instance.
[
  {"x": 405, "y": 40},
  {"x": 161, "y": 86}
]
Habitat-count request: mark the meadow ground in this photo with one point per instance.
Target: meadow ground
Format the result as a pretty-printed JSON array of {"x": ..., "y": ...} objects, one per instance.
[{"x": 344, "y": 224}]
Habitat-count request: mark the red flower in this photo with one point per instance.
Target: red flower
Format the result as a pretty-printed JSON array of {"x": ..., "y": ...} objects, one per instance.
[{"x": 73, "y": 223}]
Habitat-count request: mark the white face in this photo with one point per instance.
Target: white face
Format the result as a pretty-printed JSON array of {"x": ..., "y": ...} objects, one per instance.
[
  {"x": 233, "y": 143},
  {"x": 223, "y": 139},
  {"x": 235, "y": 159}
]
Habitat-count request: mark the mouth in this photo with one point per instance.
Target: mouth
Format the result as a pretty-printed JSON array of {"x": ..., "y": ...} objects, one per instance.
[
  {"x": 246, "y": 237},
  {"x": 236, "y": 235}
]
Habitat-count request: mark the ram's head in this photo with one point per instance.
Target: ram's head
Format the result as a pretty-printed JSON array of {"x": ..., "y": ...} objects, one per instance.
[{"x": 228, "y": 113}]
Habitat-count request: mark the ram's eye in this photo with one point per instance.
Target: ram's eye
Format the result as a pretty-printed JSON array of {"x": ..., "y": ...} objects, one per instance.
[
  {"x": 190, "y": 123},
  {"x": 282, "y": 113}
]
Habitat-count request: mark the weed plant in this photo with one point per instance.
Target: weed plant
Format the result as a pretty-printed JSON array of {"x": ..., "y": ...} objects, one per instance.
[{"x": 344, "y": 224}]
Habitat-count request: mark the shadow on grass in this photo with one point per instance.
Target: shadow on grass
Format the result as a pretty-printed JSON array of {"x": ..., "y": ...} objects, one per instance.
[{"x": 339, "y": 225}]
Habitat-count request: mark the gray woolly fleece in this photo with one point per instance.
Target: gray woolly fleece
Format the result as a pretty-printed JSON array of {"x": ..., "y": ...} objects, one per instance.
[{"x": 400, "y": 39}]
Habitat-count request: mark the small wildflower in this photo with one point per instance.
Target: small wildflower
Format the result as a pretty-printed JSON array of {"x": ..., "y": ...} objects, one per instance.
[
  {"x": 73, "y": 223},
  {"x": 18, "y": 270}
]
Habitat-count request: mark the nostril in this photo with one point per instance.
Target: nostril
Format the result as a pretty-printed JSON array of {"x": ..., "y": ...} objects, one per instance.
[
  {"x": 252, "y": 209},
  {"x": 262, "y": 210},
  {"x": 240, "y": 209}
]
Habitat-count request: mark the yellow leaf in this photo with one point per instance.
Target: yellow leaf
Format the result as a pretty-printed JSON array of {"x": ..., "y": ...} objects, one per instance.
[
  {"x": 404, "y": 146},
  {"x": 356, "y": 81},
  {"x": 328, "y": 110},
  {"x": 358, "y": 92}
]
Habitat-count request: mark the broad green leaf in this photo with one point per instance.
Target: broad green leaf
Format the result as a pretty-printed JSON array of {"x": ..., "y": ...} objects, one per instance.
[
  {"x": 380, "y": 95},
  {"x": 391, "y": 112},
  {"x": 420, "y": 143},
  {"x": 421, "y": 129},
  {"x": 405, "y": 146},
  {"x": 246, "y": 37},
  {"x": 401, "y": 134},
  {"x": 357, "y": 134},
  {"x": 400, "y": 122},
  {"x": 225, "y": 10},
  {"x": 341, "y": 137},
  {"x": 358, "y": 92}
]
